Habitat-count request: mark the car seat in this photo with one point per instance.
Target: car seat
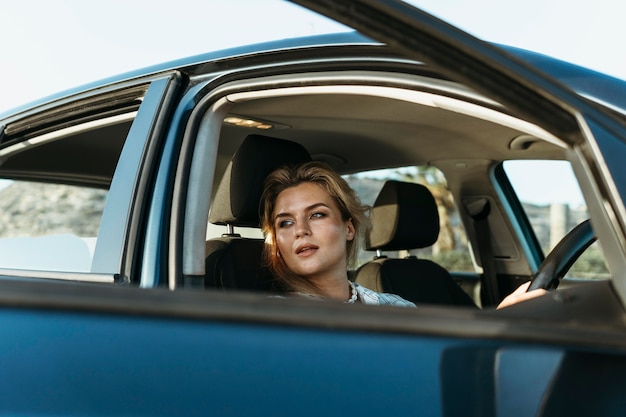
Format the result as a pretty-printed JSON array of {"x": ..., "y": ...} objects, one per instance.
[
  {"x": 404, "y": 217},
  {"x": 233, "y": 261}
]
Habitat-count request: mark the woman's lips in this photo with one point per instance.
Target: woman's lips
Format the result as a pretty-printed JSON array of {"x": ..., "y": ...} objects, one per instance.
[{"x": 306, "y": 250}]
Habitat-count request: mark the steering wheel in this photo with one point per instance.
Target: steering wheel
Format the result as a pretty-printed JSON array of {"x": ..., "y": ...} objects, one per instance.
[{"x": 562, "y": 257}]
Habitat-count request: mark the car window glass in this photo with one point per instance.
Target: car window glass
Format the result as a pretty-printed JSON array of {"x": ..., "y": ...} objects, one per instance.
[
  {"x": 554, "y": 205},
  {"x": 451, "y": 249},
  {"x": 47, "y": 226},
  {"x": 56, "y": 174}
]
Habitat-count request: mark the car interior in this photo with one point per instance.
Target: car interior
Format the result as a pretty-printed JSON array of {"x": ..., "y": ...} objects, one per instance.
[
  {"x": 391, "y": 122},
  {"x": 356, "y": 121}
]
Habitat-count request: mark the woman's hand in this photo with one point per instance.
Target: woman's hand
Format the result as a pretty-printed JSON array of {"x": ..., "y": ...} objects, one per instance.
[{"x": 519, "y": 295}]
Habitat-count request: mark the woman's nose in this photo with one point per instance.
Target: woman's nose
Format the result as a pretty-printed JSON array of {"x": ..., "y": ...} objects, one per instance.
[{"x": 302, "y": 229}]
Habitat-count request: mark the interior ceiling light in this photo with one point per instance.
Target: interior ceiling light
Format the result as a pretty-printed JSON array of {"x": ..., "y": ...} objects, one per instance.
[{"x": 243, "y": 121}]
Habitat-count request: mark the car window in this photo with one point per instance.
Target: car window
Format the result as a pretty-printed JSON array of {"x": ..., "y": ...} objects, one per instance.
[
  {"x": 451, "y": 250},
  {"x": 554, "y": 205},
  {"x": 56, "y": 179},
  {"x": 48, "y": 226}
]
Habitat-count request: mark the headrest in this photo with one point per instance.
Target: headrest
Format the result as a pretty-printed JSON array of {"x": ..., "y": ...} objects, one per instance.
[
  {"x": 404, "y": 216},
  {"x": 238, "y": 196}
]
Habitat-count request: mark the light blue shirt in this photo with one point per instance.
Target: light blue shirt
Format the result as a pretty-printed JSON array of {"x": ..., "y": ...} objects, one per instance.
[{"x": 368, "y": 296}]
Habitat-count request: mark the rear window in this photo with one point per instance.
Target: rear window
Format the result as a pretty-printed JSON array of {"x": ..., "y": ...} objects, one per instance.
[{"x": 48, "y": 226}]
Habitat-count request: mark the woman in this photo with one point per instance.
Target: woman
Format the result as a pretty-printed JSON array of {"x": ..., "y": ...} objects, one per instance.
[{"x": 312, "y": 221}]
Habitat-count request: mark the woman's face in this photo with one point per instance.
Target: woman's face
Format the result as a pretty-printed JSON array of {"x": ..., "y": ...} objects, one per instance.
[{"x": 310, "y": 233}]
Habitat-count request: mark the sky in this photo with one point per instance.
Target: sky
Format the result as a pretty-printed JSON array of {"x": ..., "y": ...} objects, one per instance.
[{"x": 53, "y": 45}]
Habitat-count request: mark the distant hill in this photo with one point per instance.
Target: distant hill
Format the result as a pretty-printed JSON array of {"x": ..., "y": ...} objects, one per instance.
[{"x": 36, "y": 209}]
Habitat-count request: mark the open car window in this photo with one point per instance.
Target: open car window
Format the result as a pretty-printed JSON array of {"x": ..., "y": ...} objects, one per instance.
[{"x": 385, "y": 119}]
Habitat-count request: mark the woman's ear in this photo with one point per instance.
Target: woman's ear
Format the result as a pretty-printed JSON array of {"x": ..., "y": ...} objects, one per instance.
[{"x": 350, "y": 231}]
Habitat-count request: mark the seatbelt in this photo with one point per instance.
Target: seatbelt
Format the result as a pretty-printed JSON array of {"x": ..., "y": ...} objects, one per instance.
[{"x": 479, "y": 210}]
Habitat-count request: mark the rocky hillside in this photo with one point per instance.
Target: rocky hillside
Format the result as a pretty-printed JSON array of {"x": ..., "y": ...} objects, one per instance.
[{"x": 36, "y": 209}]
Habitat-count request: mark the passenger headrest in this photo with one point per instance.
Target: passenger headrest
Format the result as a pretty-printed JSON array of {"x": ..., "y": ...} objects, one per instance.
[
  {"x": 239, "y": 193},
  {"x": 404, "y": 216}
]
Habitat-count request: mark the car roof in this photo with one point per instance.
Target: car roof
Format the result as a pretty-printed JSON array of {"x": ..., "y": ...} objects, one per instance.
[
  {"x": 601, "y": 87},
  {"x": 195, "y": 63},
  {"x": 365, "y": 115}
]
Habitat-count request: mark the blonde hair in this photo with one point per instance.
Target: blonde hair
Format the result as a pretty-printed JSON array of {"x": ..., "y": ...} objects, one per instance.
[{"x": 346, "y": 198}]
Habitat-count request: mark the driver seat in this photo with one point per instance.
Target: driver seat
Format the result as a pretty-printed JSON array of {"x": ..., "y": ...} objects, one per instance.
[{"x": 404, "y": 217}]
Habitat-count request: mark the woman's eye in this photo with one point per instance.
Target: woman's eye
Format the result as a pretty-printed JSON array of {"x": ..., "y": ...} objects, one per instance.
[
  {"x": 318, "y": 215},
  {"x": 284, "y": 223}
]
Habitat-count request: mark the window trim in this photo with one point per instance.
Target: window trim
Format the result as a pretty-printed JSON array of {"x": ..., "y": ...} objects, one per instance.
[{"x": 115, "y": 248}]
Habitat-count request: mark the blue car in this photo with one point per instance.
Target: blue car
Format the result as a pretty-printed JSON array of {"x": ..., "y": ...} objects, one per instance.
[{"x": 131, "y": 278}]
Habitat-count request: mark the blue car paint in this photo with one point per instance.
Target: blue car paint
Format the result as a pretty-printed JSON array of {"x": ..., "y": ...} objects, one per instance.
[
  {"x": 99, "y": 365},
  {"x": 584, "y": 81},
  {"x": 108, "y": 365}
]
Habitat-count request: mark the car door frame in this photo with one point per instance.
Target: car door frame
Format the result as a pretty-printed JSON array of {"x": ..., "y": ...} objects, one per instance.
[{"x": 120, "y": 239}]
